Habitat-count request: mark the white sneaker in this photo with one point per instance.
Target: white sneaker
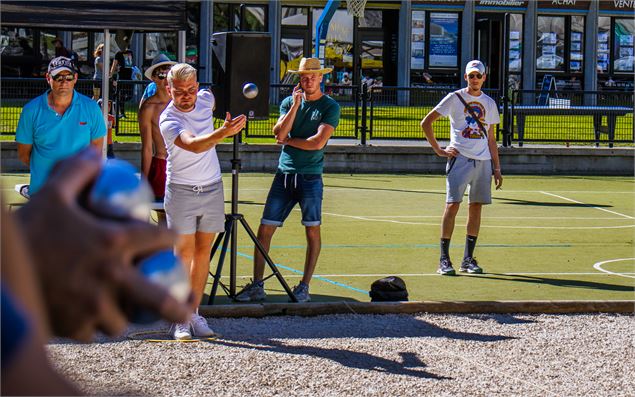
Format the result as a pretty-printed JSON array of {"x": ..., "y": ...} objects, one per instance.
[
  {"x": 200, "y": 327},
  {"x": 182, "y": 331}
]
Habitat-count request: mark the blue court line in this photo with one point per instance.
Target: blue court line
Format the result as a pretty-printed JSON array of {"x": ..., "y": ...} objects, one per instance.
[
  {"x": 436, "y": 245},
  {"x": 315, "y": 277}
]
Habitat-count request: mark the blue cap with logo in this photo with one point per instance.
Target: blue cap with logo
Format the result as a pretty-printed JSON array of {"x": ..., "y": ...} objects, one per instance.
[{"x": 60, "y": 64}]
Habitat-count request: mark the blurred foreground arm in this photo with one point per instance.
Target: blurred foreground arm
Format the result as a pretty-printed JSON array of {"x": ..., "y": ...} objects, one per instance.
[{"x": 84, "y": 263}]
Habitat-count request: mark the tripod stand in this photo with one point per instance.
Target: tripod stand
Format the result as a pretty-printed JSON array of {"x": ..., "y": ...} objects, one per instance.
[{"x": 231, "y": 233}]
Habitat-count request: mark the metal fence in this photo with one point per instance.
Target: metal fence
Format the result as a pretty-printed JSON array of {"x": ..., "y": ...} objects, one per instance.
[{"x": 393, "y": 113}]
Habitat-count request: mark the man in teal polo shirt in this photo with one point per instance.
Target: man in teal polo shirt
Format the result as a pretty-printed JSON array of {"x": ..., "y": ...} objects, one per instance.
[
  {"x": 57, "y": 124},
  {"x": 307, "y": 120}
]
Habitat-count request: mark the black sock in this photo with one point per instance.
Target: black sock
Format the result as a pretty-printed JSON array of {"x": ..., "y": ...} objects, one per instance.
[
  {"x": 470, "y": 243},
  {"x": 445, "y": 248}
]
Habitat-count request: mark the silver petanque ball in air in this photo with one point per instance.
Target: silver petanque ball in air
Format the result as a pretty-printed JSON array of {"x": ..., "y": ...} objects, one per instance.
[{"x": 250, "y": 90}]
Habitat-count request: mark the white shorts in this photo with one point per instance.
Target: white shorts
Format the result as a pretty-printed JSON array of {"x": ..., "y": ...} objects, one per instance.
[
  {"x": 463, "y": 172},
  {"x": 191, "y": 209}
]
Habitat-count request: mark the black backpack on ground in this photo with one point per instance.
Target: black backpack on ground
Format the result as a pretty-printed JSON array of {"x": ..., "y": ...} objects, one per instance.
[{"x": 388, "y": 289}]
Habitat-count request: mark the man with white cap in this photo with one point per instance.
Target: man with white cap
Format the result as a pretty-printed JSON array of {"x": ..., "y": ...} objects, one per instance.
[
  {"x": 307, "y": 120},
  {"x": 472, "y": 159},
  {"x": 57, "y": 124},
  {"x": 153, "y": 151}
]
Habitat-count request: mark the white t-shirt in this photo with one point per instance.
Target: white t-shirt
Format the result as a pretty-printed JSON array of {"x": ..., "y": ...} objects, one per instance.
[
  {"x": 465, "y": 135},
  {"x": 185, "y": 167}
]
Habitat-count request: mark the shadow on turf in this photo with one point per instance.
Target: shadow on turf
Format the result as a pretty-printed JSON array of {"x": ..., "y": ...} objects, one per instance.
[
  {"x": 383, "y": 189},
  {"x": 550, "y": 204},
  {"x": 556, "y": 282}
]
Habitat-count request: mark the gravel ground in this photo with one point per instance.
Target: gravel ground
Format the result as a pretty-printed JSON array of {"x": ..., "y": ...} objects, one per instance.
[{"x": 368, "y": 355}]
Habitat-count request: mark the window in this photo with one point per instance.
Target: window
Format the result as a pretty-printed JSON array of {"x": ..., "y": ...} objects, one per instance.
[
  {"x": 444, "y": 40},
  {"x": 550, "y": 43},
  {"x": 576, "y": 45},
  {"x": 233, "y": 17},
  {"x": 160, "y": 43},
  {"x": 604, "y": 31},
  {"x": 295, "y": 16},
  {"x": 80, "y": 45},
  {"x": 339, "y": 46},
  {"x": 19, "y": 57},
  {"x": 434, "y": 48},
  {"x": 623, "y": 58},
  {"x": 616, "y": 63}
]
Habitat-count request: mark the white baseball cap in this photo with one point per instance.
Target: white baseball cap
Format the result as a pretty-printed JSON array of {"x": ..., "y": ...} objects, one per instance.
[{"x": 475, "y": 66}]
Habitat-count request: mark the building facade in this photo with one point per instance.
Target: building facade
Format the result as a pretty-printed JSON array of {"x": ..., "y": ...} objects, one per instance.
[{"x": 582, "y": 44}]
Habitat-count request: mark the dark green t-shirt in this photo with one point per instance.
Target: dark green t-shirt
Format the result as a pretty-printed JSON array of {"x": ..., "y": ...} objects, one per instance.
[{"x": 307, "y": 120}]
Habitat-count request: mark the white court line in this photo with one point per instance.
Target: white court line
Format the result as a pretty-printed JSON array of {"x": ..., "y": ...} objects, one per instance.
[
  {"x": 436, "y": 275},
  {"x": 497, "y": 217},
  {"x": 362, "y": 218},
  {"x": 580, "y": 202},
  {"x": 407, "y": 190},
  {"x": 598, "y": 266}
]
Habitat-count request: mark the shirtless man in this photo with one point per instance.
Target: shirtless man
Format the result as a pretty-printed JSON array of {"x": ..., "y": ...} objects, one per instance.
[{"x": 153, "y": 151}]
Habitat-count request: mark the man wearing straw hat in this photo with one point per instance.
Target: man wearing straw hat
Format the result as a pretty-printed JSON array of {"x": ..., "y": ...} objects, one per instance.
[
  {"x": 307, "y": 120},
  {"x": 153, "y": 151}
]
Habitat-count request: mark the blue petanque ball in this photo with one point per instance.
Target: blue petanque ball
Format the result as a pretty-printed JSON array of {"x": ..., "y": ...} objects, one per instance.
[
  {"x": 120, "y": 192},
  {"x": 165, "y": 269}
]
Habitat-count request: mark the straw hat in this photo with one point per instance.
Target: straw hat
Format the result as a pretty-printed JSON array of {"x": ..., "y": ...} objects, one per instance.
[
  {"x": 311, "y": 65},
  {"x": 158, "y": 61}
]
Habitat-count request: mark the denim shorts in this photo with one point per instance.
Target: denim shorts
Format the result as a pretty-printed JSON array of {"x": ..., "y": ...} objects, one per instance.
[{"x": 289, "y": 189}]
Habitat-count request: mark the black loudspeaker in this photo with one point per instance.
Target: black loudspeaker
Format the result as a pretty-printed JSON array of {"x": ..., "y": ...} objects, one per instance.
[{"x": 238, "y": 59}]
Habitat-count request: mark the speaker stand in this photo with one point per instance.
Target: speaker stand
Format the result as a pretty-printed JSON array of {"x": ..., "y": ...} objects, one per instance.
[{"x": 230, "y": 236}]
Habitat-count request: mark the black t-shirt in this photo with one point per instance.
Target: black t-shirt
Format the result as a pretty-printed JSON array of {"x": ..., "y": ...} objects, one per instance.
[{"x": 125, "y": 62}]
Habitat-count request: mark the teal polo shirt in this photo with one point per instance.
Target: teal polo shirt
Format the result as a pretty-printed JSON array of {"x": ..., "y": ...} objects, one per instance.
[
  {"x": 54, "y": 137},
  {"x": 307, "y": 120}
]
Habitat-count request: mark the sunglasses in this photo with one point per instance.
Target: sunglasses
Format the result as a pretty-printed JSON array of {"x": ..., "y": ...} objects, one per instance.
[
  {"x": 475, "y": 76},
  {"x": 60, "y": 77}
]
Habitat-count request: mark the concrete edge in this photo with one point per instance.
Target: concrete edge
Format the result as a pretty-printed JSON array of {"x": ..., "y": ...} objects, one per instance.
[{"x": 342, "y": 307}]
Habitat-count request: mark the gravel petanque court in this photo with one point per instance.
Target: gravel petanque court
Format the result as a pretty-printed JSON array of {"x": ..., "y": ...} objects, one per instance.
[{"x": 367, "y": 355}]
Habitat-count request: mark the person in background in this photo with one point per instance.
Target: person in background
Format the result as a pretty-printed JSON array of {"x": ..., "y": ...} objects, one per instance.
[
  {"x": 99, "y": 71},
  {"x": 307, "y": 121},
  {"x": 472, "y": 159},
  {"x": 57, "y": 124},
  {"x": 121, "y": 69},
  {"x": 153, "y": 151},
  {"x": 69, "y": 273},
  {"x": 110, "y": 152},
  {"x": 60, "y": 50}
]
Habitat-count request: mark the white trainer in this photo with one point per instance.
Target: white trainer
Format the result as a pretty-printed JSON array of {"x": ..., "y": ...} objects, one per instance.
[
  {"x": 200, "y": 327},
  {"x": 182, "y": 331}
]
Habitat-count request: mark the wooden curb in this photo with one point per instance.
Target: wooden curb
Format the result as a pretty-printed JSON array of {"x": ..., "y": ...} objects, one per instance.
[{"x": 323, "y": 308}]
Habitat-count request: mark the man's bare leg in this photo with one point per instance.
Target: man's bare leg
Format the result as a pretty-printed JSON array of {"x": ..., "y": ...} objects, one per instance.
[
  {"x": 265, "y": 234},
  {"x": 314, "y": 245}
]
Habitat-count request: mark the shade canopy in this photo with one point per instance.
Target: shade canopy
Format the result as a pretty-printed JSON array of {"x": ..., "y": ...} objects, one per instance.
[{"x": 155, "y": 16}]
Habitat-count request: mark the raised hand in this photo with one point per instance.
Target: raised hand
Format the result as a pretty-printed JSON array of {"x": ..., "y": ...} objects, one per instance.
[
  {"x": 235, "y": 125},
  {"x": 297, "y": 94}
]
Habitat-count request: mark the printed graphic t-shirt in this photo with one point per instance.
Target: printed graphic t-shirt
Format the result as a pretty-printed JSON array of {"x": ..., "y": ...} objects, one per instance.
[{"x": 465, "y": 133}]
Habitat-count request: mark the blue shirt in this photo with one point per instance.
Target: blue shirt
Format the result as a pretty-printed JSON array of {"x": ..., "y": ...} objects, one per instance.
[{"x": 54, "y": 137}]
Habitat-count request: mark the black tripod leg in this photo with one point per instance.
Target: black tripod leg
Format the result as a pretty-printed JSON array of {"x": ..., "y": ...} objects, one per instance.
[
  {"x": 264, "y": 254},
  {"x": 219, "y": 268}
]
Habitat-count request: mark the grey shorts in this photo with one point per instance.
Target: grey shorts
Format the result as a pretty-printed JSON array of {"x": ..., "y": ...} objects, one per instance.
[
  {"x": 191, "y": 209},
  {"x": 463, "y": 172}
]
